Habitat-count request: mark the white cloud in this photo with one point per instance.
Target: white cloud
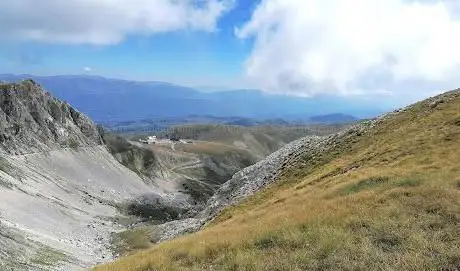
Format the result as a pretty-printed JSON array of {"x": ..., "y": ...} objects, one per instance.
[
  {"x": 87, "y": 69},
  {"x": 104, "y": 21},
  {"x": 311, "y": 47}
]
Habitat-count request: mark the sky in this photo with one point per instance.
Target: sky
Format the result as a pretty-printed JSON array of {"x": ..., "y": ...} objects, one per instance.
[{"x": 393, "y": 50}]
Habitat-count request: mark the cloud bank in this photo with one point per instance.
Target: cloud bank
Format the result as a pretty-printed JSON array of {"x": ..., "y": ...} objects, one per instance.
[
  {"x": 104, "y": 22},
  {"x": 311, "y": 47}
]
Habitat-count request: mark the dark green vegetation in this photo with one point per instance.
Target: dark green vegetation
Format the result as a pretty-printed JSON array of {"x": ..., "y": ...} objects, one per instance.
[
  {"x": 153, "y": 209},
  {"x": 200, "y": 191}
]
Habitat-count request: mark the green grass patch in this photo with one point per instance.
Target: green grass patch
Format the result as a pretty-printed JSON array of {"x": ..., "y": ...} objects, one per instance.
[
  {"x": 47, "y": 256},
  {"x": 365, "y": 184},
  {"x": 409, "y": 182},
  {"x": 131, "y": 240}
]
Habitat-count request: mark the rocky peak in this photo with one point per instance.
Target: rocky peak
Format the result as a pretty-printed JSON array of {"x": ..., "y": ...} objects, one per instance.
[{"x": 32, "y": 120}]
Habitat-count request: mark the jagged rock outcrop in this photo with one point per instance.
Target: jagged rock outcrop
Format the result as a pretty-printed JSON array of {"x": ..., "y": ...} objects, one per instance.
[
  {"x": 32, "y": 120},
  {"x": 61, "y": 191}
]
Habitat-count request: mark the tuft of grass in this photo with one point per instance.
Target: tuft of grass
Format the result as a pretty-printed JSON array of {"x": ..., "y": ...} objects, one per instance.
[
  {"x": 365, "y": 184},
  {"x": 386, "y": 240},
  {"x": 457, "y": 184},
  {"x": 267, "y": 241},
  {"x": 414, "y": 182}
]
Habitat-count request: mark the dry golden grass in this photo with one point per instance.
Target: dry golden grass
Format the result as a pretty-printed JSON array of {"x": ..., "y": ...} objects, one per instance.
[{"x": 398, "y": 209}]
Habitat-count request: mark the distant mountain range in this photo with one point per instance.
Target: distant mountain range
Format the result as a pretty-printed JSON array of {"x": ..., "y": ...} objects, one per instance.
[
  {"x": 121, "y": 100},
  {"x": 156, "y": 125},
  {"x": 332, "y": 118}
]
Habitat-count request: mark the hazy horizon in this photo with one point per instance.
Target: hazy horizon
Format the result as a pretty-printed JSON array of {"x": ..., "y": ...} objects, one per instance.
[{"x": 393, "y": 52}]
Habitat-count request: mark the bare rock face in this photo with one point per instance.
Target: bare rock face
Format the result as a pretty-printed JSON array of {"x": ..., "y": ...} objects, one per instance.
[
  {"x": 60, "y": 189},
  {"x": 32, "y": 120}
]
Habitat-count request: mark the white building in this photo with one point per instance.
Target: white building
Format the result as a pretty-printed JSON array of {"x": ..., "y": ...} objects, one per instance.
[{"x": 151, "y": 139}]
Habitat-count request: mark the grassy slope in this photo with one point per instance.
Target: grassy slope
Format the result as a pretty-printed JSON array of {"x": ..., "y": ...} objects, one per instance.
[{"x": 395, "y": 207}]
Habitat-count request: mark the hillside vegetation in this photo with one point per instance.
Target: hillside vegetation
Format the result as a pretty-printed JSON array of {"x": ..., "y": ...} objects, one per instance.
[
  {"x": 384, "y": 199},
  {"x": 191, "y": 172},
  {"x": 217, "y": 152},
  {"x": 259, "y": 140}
]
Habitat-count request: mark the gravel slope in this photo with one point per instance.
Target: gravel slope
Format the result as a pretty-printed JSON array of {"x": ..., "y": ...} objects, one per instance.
[
  {"x": 60, "y": 188},
  {"x": 60, "y": 199}
]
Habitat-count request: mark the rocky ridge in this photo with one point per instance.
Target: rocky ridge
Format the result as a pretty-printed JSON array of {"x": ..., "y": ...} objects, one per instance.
[
  {"x": 61, "y": 190},
  {"x": 32, "y": 120}
]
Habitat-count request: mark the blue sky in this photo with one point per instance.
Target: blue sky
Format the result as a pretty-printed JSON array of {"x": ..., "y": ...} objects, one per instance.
[
  {"x": 192, "y": 57},
  {"x": 394, "y": 51}
]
